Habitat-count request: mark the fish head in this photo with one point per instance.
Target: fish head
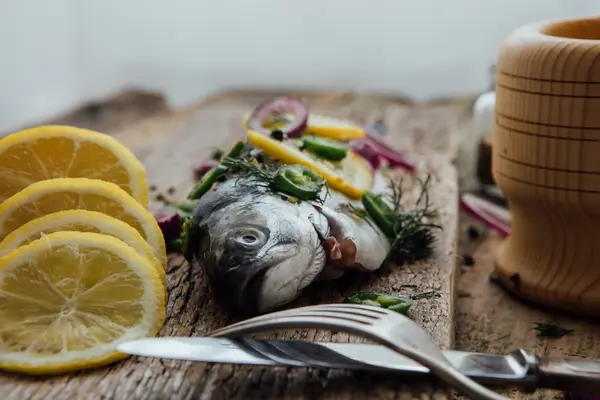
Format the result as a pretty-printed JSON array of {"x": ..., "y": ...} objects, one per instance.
[{"x": 258, "y": 250}]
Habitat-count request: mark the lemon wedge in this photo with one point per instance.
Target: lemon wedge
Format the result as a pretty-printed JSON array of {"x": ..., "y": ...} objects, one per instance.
[
  {"x": 69, "y": 298},
  {"x": 81, "y": 221},
  {"x": 49, "y": 152},
  {"x": 53, "y": 195}
]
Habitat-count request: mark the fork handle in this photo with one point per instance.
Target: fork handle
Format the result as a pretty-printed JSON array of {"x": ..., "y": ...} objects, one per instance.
[{"x": 580, "y": 376}]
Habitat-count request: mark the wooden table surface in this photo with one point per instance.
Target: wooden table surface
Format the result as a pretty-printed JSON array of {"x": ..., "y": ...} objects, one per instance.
[
  {"x": 486, "y": 318},
  {"x": 169, "y": 143},
  {"x": 491, "y": 320}
]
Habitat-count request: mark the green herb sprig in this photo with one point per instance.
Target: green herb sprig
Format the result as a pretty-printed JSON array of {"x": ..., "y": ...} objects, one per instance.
[
  {"x": 241, "y": 168},
  {"x": 264, "y": 174},
  {"x": 410, "y": 234},
  {"x": 414, "y": 236},
  {"x": 399, "y": 304}
]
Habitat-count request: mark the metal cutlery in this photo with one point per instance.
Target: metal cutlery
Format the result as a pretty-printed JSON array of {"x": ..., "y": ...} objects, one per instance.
[
  {"x": 402, "y": 346},
  {"x": 380, "y": 325},
  {"x": 518, "y": 369},
  {"x": 385, "y": 327}
]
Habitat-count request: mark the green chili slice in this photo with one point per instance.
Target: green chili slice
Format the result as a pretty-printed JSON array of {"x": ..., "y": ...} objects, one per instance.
[
  {"x": 211, "y": 177},
  {"x": 189, "y": 239},
  {"x": 207, "y": 181},
  {"x": 298, "y": 181},
  {"x": 395, "y": 303},
  {"x": 236, "y": 150},
  {"x": 401, "y": 308},
  {"x": 325, "y": 148},
  {"x": 383, "y": 216}
]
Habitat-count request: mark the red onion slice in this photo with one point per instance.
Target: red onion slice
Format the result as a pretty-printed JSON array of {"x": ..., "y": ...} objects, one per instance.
[
  {"x": 368, "y": 151},
  {"x": 375, "y": 138},
  {"x": 285, "y": 107},
  {"x": 374, "y": 153},
  {"x": 169, "y": 223},
  {"x": 491, "y": 215}
]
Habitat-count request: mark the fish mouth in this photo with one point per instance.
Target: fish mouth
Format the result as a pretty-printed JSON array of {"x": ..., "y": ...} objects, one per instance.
[
  {"x": 247, "y": 278},
  {"x": 264, "y": 289}
]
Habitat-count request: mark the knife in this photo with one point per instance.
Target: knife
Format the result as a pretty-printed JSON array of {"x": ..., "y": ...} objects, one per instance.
[{"x": 518, "y": 369}]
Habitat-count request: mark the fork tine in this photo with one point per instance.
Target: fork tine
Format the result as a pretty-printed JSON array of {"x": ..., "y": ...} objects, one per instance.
[
  {"x": 366, "y": 311},
  {"x": 373, "y": 310},
  {"x": 304, "y": 320},
  {"x": 301, "y": 321},
  {"x": 242, "y": 326},
  {"x": 258, "y": 318}
]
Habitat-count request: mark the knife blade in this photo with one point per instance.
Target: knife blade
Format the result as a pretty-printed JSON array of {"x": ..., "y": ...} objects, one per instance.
[
  {"x": 518, "y": 369},
  {"x": 488, "y": 368}
]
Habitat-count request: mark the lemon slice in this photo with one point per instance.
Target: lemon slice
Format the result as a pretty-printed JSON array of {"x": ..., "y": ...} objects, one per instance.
[
  {"x": 353, "y": 168},
  {"x": 52, "y": 195},
  {"x": 68, "y": 299},
  {"x": 356, "y": 170},
  {"x": 333, "y": 128},
  {"x": 48, "y": 152},
  {"x": 81, "y": 221}
]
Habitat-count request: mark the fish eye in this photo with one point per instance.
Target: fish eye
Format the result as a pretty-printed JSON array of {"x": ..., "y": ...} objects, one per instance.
[{"x": 249, "y": 239}]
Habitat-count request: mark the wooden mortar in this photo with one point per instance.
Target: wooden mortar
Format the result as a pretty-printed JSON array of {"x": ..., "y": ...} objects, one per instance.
[{"x": 546, "y": 160}]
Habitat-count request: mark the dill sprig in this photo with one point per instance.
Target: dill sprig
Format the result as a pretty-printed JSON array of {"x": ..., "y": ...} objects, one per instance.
[
  {"x": 412, "y": 236},
  {"x": 263, "y": 174}
]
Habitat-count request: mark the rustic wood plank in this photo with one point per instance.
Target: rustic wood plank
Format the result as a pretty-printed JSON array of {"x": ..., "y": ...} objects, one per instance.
[
  {"x": 111, "y": 113},
  {"x": 168, "y": 146}
]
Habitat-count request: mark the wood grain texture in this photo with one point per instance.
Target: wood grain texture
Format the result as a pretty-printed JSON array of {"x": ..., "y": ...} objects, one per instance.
[
  {"x": 180, "y": 139},
  {"x": 545, "y": 160}
]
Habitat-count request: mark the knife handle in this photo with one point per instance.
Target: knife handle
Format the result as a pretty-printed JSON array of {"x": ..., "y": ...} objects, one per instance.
[{"x": 580, "y": 376}]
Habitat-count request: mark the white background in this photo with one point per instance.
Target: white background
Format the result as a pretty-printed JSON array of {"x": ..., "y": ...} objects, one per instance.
[{"x": 56, "y": 53}]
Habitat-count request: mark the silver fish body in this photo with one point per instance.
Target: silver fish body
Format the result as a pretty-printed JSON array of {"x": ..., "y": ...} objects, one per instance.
[{"x": 260, "y": 250}]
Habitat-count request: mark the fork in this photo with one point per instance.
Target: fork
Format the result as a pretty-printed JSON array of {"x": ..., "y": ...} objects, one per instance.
[{"x": 379, "y": 325}]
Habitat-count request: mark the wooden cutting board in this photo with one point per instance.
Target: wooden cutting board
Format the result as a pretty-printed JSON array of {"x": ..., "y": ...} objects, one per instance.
[{"x": 169, "y": 144}]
